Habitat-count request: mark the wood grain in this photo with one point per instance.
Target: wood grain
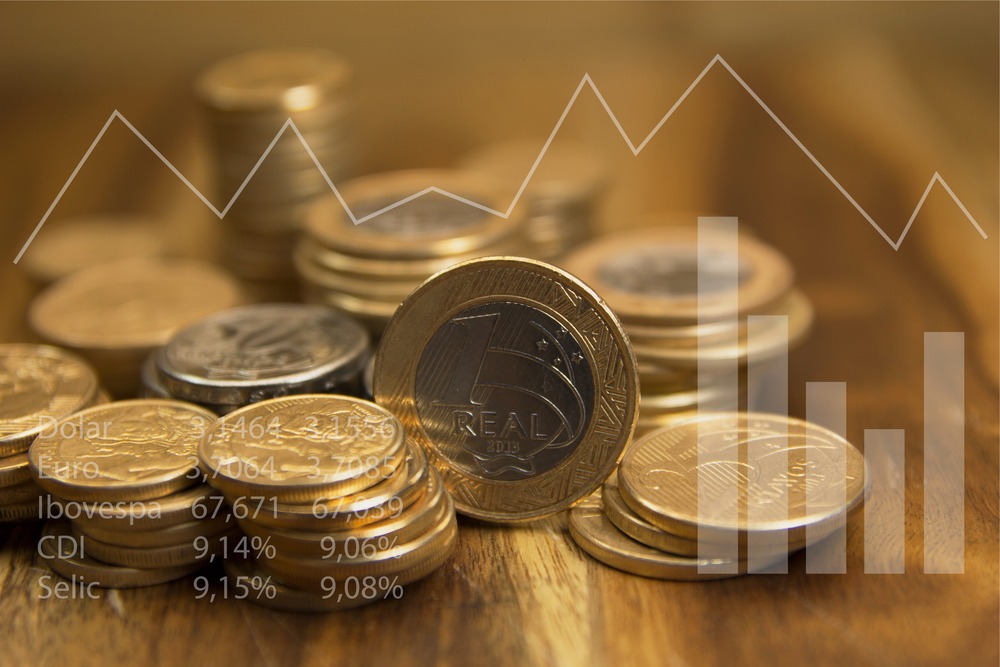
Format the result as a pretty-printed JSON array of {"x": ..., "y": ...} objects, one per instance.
[{"x": 527, "y": 595}]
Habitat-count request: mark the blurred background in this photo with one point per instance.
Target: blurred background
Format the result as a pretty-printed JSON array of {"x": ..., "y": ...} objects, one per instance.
[{"x": 883, "y": 94}]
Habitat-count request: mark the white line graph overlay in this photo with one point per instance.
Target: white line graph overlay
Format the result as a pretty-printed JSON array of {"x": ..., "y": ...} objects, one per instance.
[{"x": 585, "y": 82}]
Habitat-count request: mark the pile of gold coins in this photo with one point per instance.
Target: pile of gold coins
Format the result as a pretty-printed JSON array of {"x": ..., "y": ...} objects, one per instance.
[
  {"x": 114, "y": 315},
  {"x": 711, "y": 496},
  {"x": 365, "y": 266},
  {"x": 247, "y": 100},
  {"x": 251, "y": 353},
  {"x": 126, "y": 476},
  {"x": 684, "y": 294},
  {"x": 340, "y": 509},
  {"x": 39, "y": 386},
  {"x": 562, "y": 197}
]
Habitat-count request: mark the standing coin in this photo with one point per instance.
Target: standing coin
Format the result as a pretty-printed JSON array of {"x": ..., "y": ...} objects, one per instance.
[{"x": 517, "y": 379}]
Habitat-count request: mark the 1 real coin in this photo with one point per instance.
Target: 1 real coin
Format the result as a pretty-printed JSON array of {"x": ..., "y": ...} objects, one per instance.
[
  {"x": 125, "y": 451},
  {"x": 522, "y": 388}
]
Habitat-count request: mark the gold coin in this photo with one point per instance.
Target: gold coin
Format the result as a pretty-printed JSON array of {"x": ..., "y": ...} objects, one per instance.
[
  {"x": 595, "y": 534},
  {"x": 434, "y": 546},
  {"x": 264, "y": 590},
  {"x": 130, "y": 305},
  {"x": 659, "y": 477},
  {"x": 196, "y": 503},
  {"x": 21, "y": 511},
  {"x": 39, "y": 385},
  {"x": 171, "y": 536},
  {"x": 769, "y": 341},
  {"x": 299, "y": 448},
  {"x": 282, "y": 80},
  {"x": 651, "y": 276},
  {"x": 638, "y": 528},
  {"x": 517, "y": 379},
  {"x": 14, "y": 470},
  {"x": 385, "y": 500},
  {"x": 71, "y": 245},
  {"x": 411, "y": 522},
  {"x": 429, "y": 226},
  {"x": 65, "y": 553},
  {"x": 125, "y": 451},
  {"x": 20, "y": 493},
  {"x": 155, "y": 558}
]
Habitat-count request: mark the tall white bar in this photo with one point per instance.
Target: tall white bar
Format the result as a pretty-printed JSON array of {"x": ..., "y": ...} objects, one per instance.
[
  {"x": 767, "y": 388},
  {"x": 885, "y": 509},
  {"x": 719, "y": 501},
  {"x": 826, "y": 406},
  {"x": 944, "y": 453}
]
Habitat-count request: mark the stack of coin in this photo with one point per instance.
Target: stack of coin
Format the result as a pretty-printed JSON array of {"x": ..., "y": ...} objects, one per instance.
[
  {"x": 115, "y": 314},
  {"x": 340, "y": 509},
  {"x": 126, "y": 474},
  {"x": 561, "y": 198},
  {"x": 251, "y": 353},
  {"x": 517, "y": 380},
  {"x": 39, "y": 386},
  {"x": 686, "y": 346},
  {"x": 247, "y": 101},
  {"x": 753, "y": 507},
  {"x": 80, "y": 243},
  {"x": 366, "y": 269}
]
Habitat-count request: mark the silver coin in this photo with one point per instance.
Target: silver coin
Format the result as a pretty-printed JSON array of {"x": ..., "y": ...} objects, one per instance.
[{"x": 248, "y": 354}]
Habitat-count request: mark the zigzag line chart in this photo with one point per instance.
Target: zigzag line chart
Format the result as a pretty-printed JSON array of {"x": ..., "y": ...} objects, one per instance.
[{"x": 585, "y": 83}]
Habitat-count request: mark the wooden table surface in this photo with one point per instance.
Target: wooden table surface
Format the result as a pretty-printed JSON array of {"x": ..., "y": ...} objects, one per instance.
[{"x": 883, "y": 98}]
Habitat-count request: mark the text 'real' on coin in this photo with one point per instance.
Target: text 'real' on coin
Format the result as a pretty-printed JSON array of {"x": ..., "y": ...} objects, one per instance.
[{"x": 519, "y": 381}]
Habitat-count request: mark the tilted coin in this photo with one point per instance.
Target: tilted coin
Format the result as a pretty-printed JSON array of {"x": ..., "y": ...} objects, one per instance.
[
  {"x": 252, "y": 353},
  {"x": 594, "y": 533},
  {"x": 298, "y": 448},
  {"x": 766, "y": 458},
  {"x": 652, "y": 276},
  {"x": 129, "y": 450},
  {"x": 65, "y": 553},
  {"x": 14, "y": 470},
  {"x": 517, "y": 379},
  {"x": 175, "y": 535},
  {"x": 39, "y": 385},
  {"x": 149, "y": 558}
]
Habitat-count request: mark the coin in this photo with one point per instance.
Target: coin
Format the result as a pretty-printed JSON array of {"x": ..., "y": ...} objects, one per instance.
[
  {"x": 434, "y": 547},
  {"x": 14, "y": 470},
  {"x": 298, "y": 448},
  {"x": 659, "y": 477},
  {"x": 517, "y": 379},
  {"x": 651, "y": 276},
  {"x": 39, "y": 385},
  {"x": 281, "y": 80},
  {"x": 595, "y": 534},
  {"x": 65, "y": 553},
  {"x": 70, "y": 245},
  {"x": 125, "y": 451},
  {"x": 386, "y": 499},
  {"x": 248, "y": 354},
  {"x": 400, "y": 527},
  {"x": 155, "y": 558}
]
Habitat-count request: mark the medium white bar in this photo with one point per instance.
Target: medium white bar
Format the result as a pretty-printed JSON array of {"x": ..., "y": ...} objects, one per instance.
[
  {"x": 885, "y": 509},
  {"x": 826, "y": 406},
  {"x": 767, "y": 387},
  {"x": 944, "y": 453},
  {"x": 717, "y": 277}
]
